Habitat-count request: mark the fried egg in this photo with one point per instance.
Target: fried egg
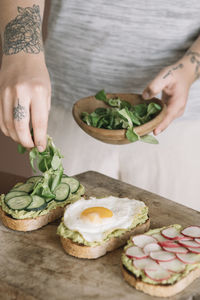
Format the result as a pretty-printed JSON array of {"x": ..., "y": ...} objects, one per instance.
[{"x": 95, "y": 218}]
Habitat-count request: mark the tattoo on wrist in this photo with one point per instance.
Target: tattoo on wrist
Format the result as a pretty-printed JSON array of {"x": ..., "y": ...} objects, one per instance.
[
  {"x": 19, "y": 112},
  {"x": 179, "y": 66},
  {"x": 24, "y": 32},
  {"x": 195, "y": 59}
]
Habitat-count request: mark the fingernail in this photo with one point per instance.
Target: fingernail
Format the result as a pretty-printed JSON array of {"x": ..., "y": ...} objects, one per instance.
[
  {"x": 158, "y": 131},
  {"x": 146, "y": 95},
  {"x": 40, "y": 148}
]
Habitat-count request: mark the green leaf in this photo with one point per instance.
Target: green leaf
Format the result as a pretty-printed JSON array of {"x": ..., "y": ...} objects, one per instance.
[
  {"x": 32, "y": 156},
  {"x": 153, "y": 108},
  {"x": 21, "y": 149},
  {"x": 56, "y": 161},
  {"x": 131, "y": 135},
  {"x": 115, "y": 102},
  {"x": 125, "y": 113},
  {"x": 101, "y": 96},
  {"x": 149, "y": 139}
]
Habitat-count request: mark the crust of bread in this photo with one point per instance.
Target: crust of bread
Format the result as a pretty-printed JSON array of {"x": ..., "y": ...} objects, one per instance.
[
  {"x": 82, "y": 251},
  {"x": 160, "y": 290},
  {"x": 30, "y": 224}
]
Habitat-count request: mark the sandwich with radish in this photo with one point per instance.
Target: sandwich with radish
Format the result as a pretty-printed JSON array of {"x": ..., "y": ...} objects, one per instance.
[
  {"x": 164, "y": 261},
  {"x": 41, "y": 199}
]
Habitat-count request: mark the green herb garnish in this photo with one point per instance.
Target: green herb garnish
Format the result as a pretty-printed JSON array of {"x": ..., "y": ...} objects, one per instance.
[{"x": 122, "y": 115}]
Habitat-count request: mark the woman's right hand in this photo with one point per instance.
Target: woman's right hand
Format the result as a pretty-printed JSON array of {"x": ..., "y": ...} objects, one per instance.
[{"x": 25, "y": 96}]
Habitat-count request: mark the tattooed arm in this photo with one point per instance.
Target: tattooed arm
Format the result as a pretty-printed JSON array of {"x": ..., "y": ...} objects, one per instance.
[
  {"x": 25, "y": 88},
  {"x": 174, "y": 82}
]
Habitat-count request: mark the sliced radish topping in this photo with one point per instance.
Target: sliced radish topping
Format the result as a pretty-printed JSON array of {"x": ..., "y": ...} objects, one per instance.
[
  {"x": 159, "y": 237},
  {"x": 151, "y": 247},
  {"x": 171, "y": 233},
  {"x": 191, "y": 244},
  {"x": 189, "y": 258},
  {"x": 197, "y": 240},
  {"x": 146, "y": 263},
  {"x": 142, "y": 240},
  {"x": 169, "y": 244},
  {"x": 176, "y": 250},
  {"x": 159, "y": 274},
  {"x": 194, "y": 250},
  {"x": 174, "y": 265},
  {"x": 162, "y": 255},
  {"x": 192, "y": 231},
  {"x": 135, "y": 252}
]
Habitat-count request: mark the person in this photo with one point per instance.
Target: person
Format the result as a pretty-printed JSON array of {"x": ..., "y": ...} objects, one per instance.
[{"x": 147, "y": 47}]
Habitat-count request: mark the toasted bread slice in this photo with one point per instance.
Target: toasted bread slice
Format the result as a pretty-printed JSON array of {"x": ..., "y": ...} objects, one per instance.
[
  {"x": 82, "y": 251},
  {"x": 160, "y": 290},
  {"x": 31, "y": 223}
]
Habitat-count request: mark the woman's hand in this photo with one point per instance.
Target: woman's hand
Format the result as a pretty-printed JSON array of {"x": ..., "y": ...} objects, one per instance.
[
  {"x": 174, "y": 82},
  {"x": 25, "y": 94}
]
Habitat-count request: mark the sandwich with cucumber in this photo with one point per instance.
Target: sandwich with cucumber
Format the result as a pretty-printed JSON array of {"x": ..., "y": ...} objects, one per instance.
[
  {"x": 92, "y": 227},
  {"x": 41, "y": 199},
  {"x": 163, "y": 261}
]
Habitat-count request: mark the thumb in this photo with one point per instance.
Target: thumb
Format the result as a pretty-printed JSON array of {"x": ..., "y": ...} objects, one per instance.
[{"x": 156, "y": 86}]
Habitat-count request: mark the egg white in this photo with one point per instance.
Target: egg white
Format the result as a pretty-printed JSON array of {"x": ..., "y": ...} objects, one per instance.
[{"x": 124, "y": 210}]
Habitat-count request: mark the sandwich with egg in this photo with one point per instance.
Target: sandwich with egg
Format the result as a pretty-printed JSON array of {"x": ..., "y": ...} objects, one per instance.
[
  {"x": 92, "y": 227},
  {"x": 163, "y": 261}
]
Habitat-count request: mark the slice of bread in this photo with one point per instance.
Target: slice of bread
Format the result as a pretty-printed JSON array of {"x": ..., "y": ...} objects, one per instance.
[
  {"x": 31, "y": 223},
  {"x": 160, "y": 290},
  {"x": 92, "y": 252}
]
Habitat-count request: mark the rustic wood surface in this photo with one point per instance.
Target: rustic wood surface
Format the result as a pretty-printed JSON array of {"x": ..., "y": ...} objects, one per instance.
[{"x": 34, "y": 265}]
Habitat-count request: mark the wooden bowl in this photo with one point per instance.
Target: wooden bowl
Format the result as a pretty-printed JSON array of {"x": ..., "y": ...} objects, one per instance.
[{"x": 115, "y": 136}]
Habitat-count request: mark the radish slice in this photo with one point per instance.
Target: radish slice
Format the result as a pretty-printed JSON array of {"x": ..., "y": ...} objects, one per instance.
[
  {"x": 192, "y": 231},
  {"x": 176, "y": 250},
  {"x": 151, "y": 247},
  {"x": 189, "y": 258},
  {"x": 171, "y": 233},
  {"x": 162, "y": 255},
  {"x": 197, "y": 240},
  {"x": 142, "y": 240},
  {"x": 159, "y": 274},
  {"x": 191, "y": 244},
  {"x": 174, "y": 265},
  {"x": 169, "y": 244},
  {"x": 159, "y": 237},
  {"x": 194, "y": 250},
  {"x": 146, "y": 263},
  {"x": 135, "y": 252}
]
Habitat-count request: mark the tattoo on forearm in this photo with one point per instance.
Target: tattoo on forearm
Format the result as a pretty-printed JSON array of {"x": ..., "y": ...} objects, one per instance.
[
  {"x": 195, "y": 59},
  {"x": 179, "y": 66},
  {"x": 24, "y": 32},
  {"x": 19, "y": 112}
]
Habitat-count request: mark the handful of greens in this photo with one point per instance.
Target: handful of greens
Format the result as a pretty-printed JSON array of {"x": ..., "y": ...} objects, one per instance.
[
  {"x": 49, "y": 163},
  {"x": 122, "y": 115}
]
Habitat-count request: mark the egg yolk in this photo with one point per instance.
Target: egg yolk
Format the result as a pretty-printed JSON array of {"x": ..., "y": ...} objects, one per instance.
[{"x": 96, "y": 214}]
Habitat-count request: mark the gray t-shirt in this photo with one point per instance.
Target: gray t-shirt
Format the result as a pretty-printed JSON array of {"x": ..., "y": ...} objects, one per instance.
[{"x": 117, "y": 45}]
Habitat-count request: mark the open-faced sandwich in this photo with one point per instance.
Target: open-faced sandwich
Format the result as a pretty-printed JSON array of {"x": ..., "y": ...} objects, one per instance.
[
  {"x": 91, "y": 228},
  {"x": 162, "y": 262},
  {"x": 41, "y": 199}
]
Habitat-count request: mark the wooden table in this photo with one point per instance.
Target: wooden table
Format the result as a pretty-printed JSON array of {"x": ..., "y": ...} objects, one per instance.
[{"x": 34, "y": 266}]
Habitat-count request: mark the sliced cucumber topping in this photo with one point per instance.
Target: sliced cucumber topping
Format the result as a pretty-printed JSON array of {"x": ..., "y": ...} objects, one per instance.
[
  {"x": 19, "y": 203},
  {"x": 14, "y": 194},
  {"x": 34, "y": 179},
  {"x": 25, "y": 187},
  {"x": 62, "y": 192},
  {"x": 73, "y": 183},
  {"x": 38, "y": 203}
]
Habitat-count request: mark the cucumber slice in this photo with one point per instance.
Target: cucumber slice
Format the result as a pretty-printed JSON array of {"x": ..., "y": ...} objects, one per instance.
[
  {"x": 34, "y": 179},
  {"x": 14, "y": 194},
  {"x": 73, "y": 183},
  {"x": 38, "y": 203},
  {"x": 62, "y": 192},
  {"x": 25, "y": 187},
  {"x": 19, "y": 203}
]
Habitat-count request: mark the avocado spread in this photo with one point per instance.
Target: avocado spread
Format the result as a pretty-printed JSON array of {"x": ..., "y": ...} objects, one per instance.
[
  {"x": 23, "y": 214},
  {"x": 139, "y": 274},
  {"x": 76, "y": 237}
]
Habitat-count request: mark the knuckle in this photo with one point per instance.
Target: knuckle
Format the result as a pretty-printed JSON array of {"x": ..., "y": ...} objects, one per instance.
[{"x": 40, "y": 88}]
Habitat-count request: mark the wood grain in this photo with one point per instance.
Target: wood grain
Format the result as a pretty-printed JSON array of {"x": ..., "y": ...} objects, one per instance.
[{"x": 35, "y": 266}]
